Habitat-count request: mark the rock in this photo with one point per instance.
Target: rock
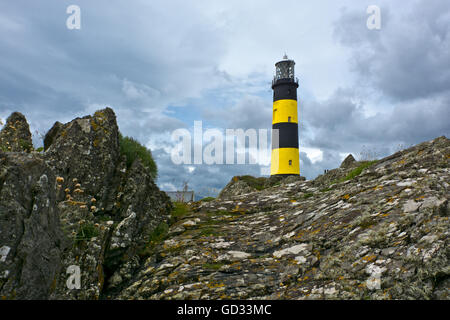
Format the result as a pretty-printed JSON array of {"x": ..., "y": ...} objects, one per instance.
[
  {"x": 15, "y": 135},
  {"x": 52, "y": 134},
  {"x": 348, "y": 161},
  {"x": 363, "y": 238},
  {"x": 235, "y": 187},
  {"x": 76, "y": 206}
]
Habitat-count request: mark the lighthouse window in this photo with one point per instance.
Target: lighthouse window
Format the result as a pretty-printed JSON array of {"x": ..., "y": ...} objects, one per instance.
[
  {"x": 289, "y": 119},
  {"x": 289, "y": 91},
  {"x": 290, "y": 162}
]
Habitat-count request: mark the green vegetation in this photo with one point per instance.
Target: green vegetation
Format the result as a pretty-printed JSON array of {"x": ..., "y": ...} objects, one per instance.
[
  {"x": 209, "y": 231},
  {"x": 180, "y": 209},
  {"x": 212, "y": 266},
  {"x": 257, "y": 183},
  {"x": 40, "y": 149},
  {"x": 86, "y": 232},
  {"x": 159, "y": 233},
  {"x": 132, "y": 149},
  {"x": 357, "y": 171},
  {"x": 207, "y": 199},
  {"x": 25, "y": 145},
  {"x": 308, "y": 195}
]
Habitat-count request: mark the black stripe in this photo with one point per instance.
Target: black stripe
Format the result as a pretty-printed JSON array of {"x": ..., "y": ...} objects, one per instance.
[
  {"x": 285, "y": 90},
  {"x": 285, "y": 174},
  {"x": 286, "y": 134}
]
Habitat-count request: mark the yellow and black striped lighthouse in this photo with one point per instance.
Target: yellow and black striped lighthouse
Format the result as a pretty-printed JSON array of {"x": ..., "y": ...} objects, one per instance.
[{"x": 285, "y": 155}]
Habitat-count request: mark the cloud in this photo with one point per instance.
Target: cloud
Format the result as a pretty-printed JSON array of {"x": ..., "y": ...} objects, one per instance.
[{"x": 408, "y": 58}]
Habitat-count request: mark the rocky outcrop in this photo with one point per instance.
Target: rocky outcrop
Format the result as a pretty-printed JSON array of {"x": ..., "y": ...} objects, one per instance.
[
  {"x": 240, "y": 185},
  {"x": 381, "y": 231},
  {"x": 348, "y": 161},
  {"x": 74, "y": 207},
  {"x": 15, "y": 135}
]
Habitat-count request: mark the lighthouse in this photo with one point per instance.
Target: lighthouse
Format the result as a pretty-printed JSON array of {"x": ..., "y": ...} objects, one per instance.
[{"x": 285, "y": 154}]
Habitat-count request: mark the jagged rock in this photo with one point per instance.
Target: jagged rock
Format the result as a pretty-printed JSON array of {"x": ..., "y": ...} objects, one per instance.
[
  {"x": 235, "y": 187},
  {"x": 15, "y": 135},
  {"x": 78, "y": 205},
  {"x": 52, "y": 134},
  {"x": 30, "y": 231},
  {"x": 86, "y": 149},
  {"x": 348, "y": 161}
]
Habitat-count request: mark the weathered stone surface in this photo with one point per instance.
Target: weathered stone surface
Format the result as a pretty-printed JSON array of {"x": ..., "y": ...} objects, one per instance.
[
  {"x": 355, "y": 239},
  {"x": 15, "y": 135},
  {"x": 77, "y": 204}
]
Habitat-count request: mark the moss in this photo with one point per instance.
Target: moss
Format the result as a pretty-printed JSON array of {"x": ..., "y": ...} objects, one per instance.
[
  {"x": 132, "y": 149},
  {"x": 257, "y": 183},
  {"x": 357, "y": 171},
  {"x": 308, "y": 195},
  {"x": 212, "y": 266},
  {"x": 206, "y": 232},
  {"x": 364, "y": 221}
]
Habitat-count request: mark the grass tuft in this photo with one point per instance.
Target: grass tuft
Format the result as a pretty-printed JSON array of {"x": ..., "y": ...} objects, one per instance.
[{"x": 132, "y": 149}]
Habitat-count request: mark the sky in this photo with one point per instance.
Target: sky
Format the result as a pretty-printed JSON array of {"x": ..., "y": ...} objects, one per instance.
[{"x": 161, "y": 65}]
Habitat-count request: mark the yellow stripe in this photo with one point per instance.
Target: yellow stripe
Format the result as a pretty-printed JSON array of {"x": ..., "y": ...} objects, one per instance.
[
  {"x": 283, "y": 109},
  {"x": 280, "y": 161}
]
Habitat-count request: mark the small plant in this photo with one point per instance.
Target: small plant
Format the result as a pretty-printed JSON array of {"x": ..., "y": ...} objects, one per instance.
[
  {"x": 40, "y": 149},
  {"x": 308, "y": 195},
  {"x": 86, "y": 232},
  {"x": 159, "y": 233},
  {"x": 132, "y": 149},
  {"x": 25, "y": 145},
  {"x": 179, "y": 211}
]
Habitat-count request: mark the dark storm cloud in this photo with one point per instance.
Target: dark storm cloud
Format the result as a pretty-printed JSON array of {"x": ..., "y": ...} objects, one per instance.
[
  {"x": 136, "y": 58},
  {"x": 340, "y": 123},
  {"x": 409, "y": 57}
]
